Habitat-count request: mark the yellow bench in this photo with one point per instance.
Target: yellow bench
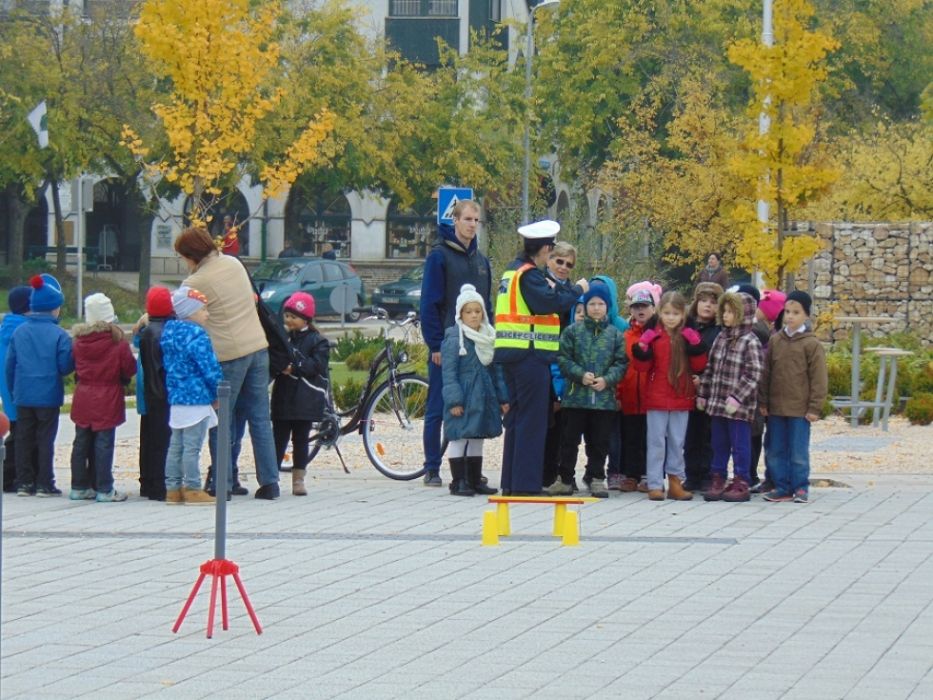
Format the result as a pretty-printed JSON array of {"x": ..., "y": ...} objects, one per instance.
[{"x": 497, "y": 523}]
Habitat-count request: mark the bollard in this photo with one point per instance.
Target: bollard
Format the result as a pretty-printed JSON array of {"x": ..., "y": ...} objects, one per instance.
[
  {"x": 571, "y": 536},
  {"x": 490, "y": 529}
]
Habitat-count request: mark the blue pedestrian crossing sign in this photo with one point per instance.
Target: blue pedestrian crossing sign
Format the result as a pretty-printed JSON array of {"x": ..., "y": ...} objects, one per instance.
[{"x": 447, "y": 198}]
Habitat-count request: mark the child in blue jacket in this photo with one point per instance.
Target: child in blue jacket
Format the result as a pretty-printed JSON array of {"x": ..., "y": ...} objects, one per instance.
[
  {"x": 18, "y": 303},
  {"x": 192, "y": 374},
  {"x": 475, "y": 395},
  {"x": 38, "y": 357}
]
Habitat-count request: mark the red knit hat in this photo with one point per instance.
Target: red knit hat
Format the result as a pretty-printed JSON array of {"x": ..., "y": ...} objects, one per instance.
[{"x": 159, "y": 302}]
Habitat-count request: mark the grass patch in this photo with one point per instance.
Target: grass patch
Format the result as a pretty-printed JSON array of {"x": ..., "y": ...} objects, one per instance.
[{"x": 339, "y": 374}]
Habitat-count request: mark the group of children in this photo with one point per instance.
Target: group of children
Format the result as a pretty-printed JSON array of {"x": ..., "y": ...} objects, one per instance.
[
  {"x": 681, "y": 391},
  {"x": 176, "y": 390}
]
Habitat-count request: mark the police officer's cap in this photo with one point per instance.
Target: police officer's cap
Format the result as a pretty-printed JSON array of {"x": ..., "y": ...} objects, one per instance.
[{"x": 538, "y": 230}]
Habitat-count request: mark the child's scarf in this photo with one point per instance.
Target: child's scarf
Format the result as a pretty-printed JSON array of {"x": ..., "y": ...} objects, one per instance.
[{"x": 484, "y": 340}]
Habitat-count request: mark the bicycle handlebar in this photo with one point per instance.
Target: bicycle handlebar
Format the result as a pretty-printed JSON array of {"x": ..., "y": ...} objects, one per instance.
[{"x": 381, "y": 314}]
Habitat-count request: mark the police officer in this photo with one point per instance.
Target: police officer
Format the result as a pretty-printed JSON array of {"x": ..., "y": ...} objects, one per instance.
[{"x": 528, "y": 310}]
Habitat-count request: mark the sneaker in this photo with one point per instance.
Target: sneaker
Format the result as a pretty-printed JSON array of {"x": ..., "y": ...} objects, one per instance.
[
  {"x": 628, "y": 485},
  {"x": 559, "y": 488},
  {"x": 47, "y": 491},
  {"x": 801, "y": 496},
  {"x": 239, "y": 490},
  {"x": 433, "y": 479},
  {"x": 643, "y": 485},
  {"x": 196, "y": 497},
  {"x": 113, "y": 497},
  {"x": 615, "y": 482},
  {"x": 777, "y": 496},
  {"x": 763, "y": 486},
  {"x": 26, "y": 490},
  {"x": 736, "y": 492},
  {"x": 598, "y": 489},
  {"x": 716, "y": 487},
  {"x": 173, "y": 497},
  {"x": 269, "y": 492},
  {"x": 82, "y": 495}
]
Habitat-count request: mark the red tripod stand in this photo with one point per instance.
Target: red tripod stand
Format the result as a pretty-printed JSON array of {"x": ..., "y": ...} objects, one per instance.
[
  {"x": 220, "y": 567},
  {"x": 218, "y": 570}
]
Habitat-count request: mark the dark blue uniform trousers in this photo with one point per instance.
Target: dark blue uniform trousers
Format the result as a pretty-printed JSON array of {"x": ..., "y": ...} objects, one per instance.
[
  {"x": 433, "y": 418},
  {"x": 529, "y": 384}
]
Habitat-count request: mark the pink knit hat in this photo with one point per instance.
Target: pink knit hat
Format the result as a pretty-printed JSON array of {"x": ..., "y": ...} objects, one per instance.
[{"x": 772, "y": 303}]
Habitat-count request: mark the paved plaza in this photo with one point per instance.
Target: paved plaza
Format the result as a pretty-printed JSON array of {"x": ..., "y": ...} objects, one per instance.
[{"x": 370, "y": 588}]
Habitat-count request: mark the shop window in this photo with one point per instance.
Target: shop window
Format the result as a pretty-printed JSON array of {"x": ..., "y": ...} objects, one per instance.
[{"x": 409, "y": 231}]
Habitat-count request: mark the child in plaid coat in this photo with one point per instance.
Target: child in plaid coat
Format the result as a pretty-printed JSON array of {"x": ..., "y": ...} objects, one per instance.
[{"x": 728, "y": 392}]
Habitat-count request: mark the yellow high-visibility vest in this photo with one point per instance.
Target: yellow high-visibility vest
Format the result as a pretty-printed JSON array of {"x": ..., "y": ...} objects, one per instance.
[{"x": 516, "y": 326}]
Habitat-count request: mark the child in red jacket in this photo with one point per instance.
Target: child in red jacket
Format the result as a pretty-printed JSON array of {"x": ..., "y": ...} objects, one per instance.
[
  {"x": 104, "y": 363},
  {"x": 669, "y": 352},
  {"x": 630, "y": 392}
]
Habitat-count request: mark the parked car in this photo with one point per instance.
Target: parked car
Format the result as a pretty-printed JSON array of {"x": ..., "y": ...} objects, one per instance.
[
  {"x": 278, "y": 279},
  {"x": 402, "y": 295}
]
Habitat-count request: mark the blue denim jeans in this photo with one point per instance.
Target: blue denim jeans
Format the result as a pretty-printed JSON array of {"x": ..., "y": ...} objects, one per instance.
[
  {"x": 249, "y": 400},
  {"x": 92, "y": 459},
  {"x": 182, "y": 464},
  {"x": 433, "y": 419},
  {"x": 788, "y": 452}
]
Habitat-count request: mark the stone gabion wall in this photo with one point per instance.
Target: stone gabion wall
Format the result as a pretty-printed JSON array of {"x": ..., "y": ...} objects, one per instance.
[{"x": 874, "y": 269}]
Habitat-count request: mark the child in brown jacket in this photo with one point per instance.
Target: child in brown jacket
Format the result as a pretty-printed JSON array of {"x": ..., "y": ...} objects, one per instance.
[{"x": 791, "y": 394}]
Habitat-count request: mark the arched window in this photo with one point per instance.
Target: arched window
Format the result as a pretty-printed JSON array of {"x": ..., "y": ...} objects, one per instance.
[
  {"x": 315, "y": 216},
  {"x": 409, "y": 232}
]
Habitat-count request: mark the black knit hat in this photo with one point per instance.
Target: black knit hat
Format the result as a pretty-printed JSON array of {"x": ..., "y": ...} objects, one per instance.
[{"x": 801, "y": 298}]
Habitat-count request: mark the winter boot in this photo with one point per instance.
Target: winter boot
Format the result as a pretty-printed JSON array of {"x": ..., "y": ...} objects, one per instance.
[
  {"x": 238, "y": 488},
  {"x": 298, "y": 482},
  {"x": 459, "y": 484},
  {"x": 475, "y": 476},
  {"x": 716, "y": 488},
  {"x": 676, "y": 490}
]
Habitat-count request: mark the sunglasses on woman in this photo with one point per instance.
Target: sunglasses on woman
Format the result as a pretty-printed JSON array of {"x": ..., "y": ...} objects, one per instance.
[{"x": 560, "y": 262}]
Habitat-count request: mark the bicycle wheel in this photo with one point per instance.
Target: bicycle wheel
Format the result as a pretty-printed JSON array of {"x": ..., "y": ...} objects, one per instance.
[{"x": 392, "y": 427}]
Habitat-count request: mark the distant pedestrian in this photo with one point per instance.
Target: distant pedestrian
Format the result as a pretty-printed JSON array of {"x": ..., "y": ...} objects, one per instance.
[
  {"x": 230, "y": 243},
  {"x": 289, "y": 251},
  {"x": 192, "y": 374},
  {"x": 714, "y": 272},
  {"x": 104, "y": 365},
  {"x": 299, "y": 393},
  {"x": 475, "y": 396},
  {"x": 39, "y": 356},
  {"x": 793, "y": 389},
  {"x": 328, "y": 252},
  {"x": 728, "y": 392}
]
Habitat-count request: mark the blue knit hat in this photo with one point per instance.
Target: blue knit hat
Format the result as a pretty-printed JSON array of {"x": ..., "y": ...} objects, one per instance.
[
  {"x": 597, "y": 289},
  {"x": 18, "y": 299},
  {"x": 46, "y": 293}
]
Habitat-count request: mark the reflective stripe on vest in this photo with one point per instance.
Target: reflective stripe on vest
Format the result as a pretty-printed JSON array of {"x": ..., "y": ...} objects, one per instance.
[{"x": 516, "y": 326}]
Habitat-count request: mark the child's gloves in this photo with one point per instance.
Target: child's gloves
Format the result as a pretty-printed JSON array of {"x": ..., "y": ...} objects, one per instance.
[
  {"x": 691, "y": 336},
  {"x": 648, "y": 337},
  {"x": 732, "y": 405},
  {"x": 701, "y": 403}
]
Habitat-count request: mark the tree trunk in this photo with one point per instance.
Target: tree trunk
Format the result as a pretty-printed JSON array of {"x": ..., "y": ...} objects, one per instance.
[
  {"x": 60, "y": 253},
  {"x": 144, "y": 217},
  {"x": 17, "y": 209}
]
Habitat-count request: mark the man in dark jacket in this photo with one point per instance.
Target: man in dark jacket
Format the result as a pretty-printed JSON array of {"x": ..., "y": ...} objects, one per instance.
[{"x": 454, "y": 261}]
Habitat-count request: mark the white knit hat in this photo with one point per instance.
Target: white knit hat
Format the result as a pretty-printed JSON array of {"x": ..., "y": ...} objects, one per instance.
[
  {"x": 98, "y": 307},
  {"x": 468, "y": 294}
]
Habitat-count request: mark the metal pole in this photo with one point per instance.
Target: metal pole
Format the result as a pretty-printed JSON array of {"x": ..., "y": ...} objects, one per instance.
[
  {"x": 764, "y": 121},
  {"x": 79, "y": 240},
  {"x": 526, "y": 141},
  {"x": 221, "y": 469}
]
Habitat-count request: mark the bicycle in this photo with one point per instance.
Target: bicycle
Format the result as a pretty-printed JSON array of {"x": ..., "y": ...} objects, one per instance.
[{"x": 389, "y": 413}]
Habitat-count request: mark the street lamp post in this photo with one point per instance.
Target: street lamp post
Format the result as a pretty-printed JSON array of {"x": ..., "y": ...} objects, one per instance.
[{"x": 529, "y": 53}]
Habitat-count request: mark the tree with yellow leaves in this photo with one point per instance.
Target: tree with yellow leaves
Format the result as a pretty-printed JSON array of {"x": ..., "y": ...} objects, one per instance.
[
  {"x": 220, "y": 58},
  {"x": 787, "y": 163}
]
